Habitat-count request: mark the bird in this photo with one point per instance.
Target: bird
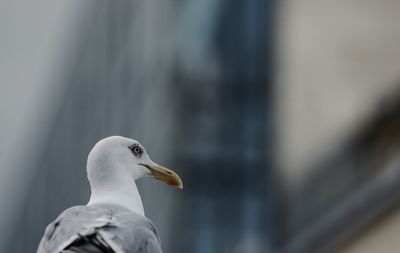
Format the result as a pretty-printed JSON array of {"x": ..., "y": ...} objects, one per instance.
[{"x": 113, "y": 221}]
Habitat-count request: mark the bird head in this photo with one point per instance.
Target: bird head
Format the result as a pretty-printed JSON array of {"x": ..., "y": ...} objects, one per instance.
[{"x": 118, "y": 154}]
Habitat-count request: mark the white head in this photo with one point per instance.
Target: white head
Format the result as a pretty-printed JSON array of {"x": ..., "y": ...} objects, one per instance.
[{"x": 118, "y": 157}]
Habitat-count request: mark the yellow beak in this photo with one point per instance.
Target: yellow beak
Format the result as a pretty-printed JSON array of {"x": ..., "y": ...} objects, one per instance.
[{"x": 164, "y": 175}]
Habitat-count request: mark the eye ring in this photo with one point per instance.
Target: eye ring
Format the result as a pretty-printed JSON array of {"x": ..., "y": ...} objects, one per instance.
[{"x": 136, "y": 150}]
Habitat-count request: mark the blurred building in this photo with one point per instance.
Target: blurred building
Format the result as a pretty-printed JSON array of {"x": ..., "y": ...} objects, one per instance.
[
  {"x": 281, "y": 118},
  {"x": 338, "y": 116}
]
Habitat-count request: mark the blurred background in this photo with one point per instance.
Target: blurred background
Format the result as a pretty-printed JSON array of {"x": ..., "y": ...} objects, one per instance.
[{"x": 282, "y": 118}]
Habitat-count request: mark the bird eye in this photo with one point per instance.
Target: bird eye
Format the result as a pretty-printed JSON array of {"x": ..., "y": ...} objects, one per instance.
[{"x": 136, "y": 150}]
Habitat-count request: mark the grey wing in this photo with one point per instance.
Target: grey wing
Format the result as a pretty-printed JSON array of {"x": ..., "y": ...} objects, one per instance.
[
  {"x": 89, "y": 244},
  {"x": 100, "y": 229},
  {"x": 142, "y": 239}
]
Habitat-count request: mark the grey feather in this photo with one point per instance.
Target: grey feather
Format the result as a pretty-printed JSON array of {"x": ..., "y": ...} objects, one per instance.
[{"x": 100, "y": 229}]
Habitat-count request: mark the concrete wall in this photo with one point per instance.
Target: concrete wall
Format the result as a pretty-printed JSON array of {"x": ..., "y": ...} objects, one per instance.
[
  {"x": 382, "y": 237},
  {"x": 338, "y": 59}
]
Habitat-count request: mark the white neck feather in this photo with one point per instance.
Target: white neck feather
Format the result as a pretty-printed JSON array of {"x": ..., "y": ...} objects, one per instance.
[{"x": 117, "y": 188}]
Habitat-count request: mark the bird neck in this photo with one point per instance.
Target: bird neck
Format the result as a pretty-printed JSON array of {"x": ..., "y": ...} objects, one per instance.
[{"x": 116, "y": 189}]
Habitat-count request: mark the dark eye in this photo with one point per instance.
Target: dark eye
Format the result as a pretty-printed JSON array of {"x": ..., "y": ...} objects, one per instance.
[{"x": 136, "y": 150}]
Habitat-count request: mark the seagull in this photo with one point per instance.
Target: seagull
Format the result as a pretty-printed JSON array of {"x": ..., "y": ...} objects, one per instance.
[{"x": 113, "y": 221}]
